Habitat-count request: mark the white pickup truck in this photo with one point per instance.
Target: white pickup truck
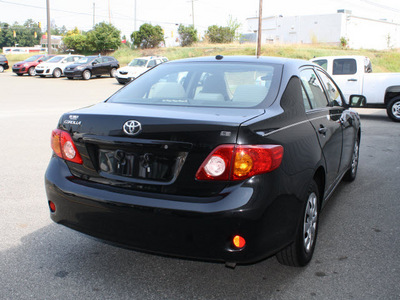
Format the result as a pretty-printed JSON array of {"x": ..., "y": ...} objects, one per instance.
[{"x": 354, "y": 76}]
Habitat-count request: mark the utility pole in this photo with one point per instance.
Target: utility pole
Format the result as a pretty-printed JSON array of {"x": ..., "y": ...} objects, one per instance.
[
  {"x": 135, "y": 18},
  {"x": 193, "y": 12},
  {"x": 109, "y": 12},
  {"x": 94, "y": 14},
  {"x": 48, "y": 28},
  {"x": 259, "y": 29}
]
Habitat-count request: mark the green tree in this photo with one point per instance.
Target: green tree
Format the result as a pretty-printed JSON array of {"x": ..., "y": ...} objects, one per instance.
[
  {"x": 104, "y": 37},
  {"x": 187, "y": 34},
  {"x": 23, "y": 35},
  {"x": 234, "y": 25},
  {"x": 148, "y": 36},
  {"x": 6, "y": 36},
  {"x": 219, "y": 34},
  {"x": 77, "y": 42}
]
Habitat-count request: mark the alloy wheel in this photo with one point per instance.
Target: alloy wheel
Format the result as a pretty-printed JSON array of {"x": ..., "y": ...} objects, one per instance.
[
  {"x": 310, "y": 222},
  {"x": 396, "y": 109}
]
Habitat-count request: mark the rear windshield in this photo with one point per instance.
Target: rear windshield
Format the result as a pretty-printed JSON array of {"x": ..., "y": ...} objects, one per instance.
[{"x": 219, "y": 84}]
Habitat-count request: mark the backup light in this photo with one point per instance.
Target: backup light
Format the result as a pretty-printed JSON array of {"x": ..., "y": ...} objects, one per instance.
[{"x": 215, "y": 166}]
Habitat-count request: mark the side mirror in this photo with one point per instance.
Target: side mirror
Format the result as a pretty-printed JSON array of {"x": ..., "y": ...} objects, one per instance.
[
  {"x": 39, "y": 61},
  {"x": 94, "y": 63},
  {"x": 357, "y": 101}
]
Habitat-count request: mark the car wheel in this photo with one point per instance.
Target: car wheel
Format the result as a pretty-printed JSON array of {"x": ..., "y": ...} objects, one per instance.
[
  {"x": 86, "y": 75},
  {"x": 113, "y": 72},
  {"x": 352, "y": 172},
  {"x": 43, "y": 76},
  {"x": 393, "y": 109},
  {"x": 1, "y": 69},
  {"x": 31, "y": 71},
  {"x": 121, "y": 82},
  {"x": 70, "y": 78},
  {"x": 57, "y": 73},
  {"x": 20, "y": 74},
  {"x": 300, "y": 252}
]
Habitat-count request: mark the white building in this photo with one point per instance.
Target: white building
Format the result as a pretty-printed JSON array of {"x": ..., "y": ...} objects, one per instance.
[{"x": 330, "y": 28}]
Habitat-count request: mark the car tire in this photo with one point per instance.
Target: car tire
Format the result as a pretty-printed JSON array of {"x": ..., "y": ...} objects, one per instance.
[
  {"x": 20, "y": 74},
  {"x": 120, "y": 81},
  {"x": 1, "y": 69},
  {"x": 57, "y": 73},
  {"x": 42, "y": 76},
  {"x": 86, "y": 75},
  {"x": 70, "y": 78},
  {"x": 352, "y": 172},
  {"x": 300, "y": 252},
  {"x": 113, "y": 72},
  {"x": 31, "y": 71},
  {"x": 393, "y": 109}
]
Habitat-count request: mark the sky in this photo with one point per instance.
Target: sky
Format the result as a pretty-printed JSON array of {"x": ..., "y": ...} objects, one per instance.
[{"x": 167, "y": 13}]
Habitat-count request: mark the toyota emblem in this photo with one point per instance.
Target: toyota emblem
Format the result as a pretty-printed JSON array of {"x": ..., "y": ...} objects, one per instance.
[{"x": 132, "y": 127}]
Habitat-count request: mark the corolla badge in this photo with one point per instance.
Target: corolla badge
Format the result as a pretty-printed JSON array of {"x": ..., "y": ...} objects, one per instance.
[{"x": 132, "y": 127}]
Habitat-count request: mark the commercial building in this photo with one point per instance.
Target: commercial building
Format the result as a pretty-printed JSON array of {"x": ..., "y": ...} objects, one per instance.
[{"x": 359, "y": 32}]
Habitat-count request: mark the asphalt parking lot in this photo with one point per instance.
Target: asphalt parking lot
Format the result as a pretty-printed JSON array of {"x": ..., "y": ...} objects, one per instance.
[{"x": 357, "y": 254}]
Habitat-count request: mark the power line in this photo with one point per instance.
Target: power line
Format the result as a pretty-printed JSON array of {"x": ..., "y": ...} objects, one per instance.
[{"x": 381, "y": 6}]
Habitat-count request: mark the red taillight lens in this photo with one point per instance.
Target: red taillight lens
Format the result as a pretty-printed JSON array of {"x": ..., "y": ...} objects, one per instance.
[
  {"x": 64, "y": 147},
  {"x": 239, "y": 162}
]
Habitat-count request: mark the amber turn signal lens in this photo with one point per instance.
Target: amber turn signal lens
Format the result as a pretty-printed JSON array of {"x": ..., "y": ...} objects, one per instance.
[
  {"x": 239, "y": 242},
  {"x": 243, "y": 164}
]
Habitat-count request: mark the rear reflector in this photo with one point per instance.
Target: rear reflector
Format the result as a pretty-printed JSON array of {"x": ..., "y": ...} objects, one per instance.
[
  {"x": 52, "y": 206},
  {"x": 64, "y": 147},
  {"x": 239, "y": 162},
  {"x": 239, "y": 242}
]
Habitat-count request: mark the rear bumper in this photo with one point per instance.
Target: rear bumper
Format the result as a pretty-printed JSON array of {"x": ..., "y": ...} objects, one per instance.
[{"x": 178, "y": 228}]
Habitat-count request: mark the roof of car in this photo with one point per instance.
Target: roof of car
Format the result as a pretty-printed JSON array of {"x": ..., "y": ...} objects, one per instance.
[
  {"x": 149, "y": 57},
  {"x": 244, "y": 58}
]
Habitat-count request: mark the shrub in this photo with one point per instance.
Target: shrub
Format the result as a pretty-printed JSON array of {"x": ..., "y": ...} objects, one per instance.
[
  {"x": 148, "y": 36},
  {"x": 187, "y": 35}
]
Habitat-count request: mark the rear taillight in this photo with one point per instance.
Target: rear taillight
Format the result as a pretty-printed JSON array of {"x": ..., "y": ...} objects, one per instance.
[
  {"x": 239, "y": 162},
  {"x": 64, "y": 147}
]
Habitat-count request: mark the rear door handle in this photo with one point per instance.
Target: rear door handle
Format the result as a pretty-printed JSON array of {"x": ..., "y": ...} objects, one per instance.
[
  {"x": 352, "y": 79},
  {"x": 322, "y": 130}
]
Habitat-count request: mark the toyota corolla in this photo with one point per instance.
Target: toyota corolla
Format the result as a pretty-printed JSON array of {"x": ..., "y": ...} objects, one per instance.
[{"x": 225, "y": 159}]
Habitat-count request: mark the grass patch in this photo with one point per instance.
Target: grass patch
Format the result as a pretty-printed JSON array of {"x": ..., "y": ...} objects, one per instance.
[{"x": 382, "y": 61}]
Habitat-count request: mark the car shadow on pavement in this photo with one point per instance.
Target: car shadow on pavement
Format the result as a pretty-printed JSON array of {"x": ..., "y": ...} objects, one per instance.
[{"x": 57, "y": 263}]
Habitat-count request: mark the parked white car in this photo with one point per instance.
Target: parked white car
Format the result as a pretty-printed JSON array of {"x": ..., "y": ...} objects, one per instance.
[
  {"x": 354, "y": 76},
  {"x": 138, "y": 66},
  {"x": 56, "y": 65}
]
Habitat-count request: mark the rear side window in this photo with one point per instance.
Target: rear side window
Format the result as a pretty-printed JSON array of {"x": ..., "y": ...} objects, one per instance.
[
  {"x": 344, "y": 66},
  {"x": 322, "y": 63},
  {"x": 313, "y": 88},
  {"x": 151, "y": 63},
  {"x": 205, "y": 84}
]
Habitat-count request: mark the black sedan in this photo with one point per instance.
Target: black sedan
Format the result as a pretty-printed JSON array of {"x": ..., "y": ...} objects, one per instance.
[
  {"x": 3, "y": 63},
  {"x": 90, "y": 66},
  {"x": 226, "y": 159}
]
